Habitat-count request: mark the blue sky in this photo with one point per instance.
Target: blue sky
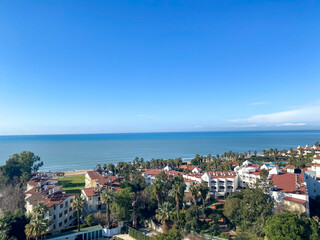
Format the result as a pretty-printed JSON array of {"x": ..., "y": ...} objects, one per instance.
[{"x": 144, "y": 66}]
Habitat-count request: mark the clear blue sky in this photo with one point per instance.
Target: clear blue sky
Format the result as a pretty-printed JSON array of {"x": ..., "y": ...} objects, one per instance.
[{"x": 144, "y": 66}]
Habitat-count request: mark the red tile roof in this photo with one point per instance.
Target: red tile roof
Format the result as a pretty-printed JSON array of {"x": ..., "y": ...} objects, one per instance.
[
  {"x": 314, "y": 164},
  {"x": 187, "y": 167},
  {"x": 287, "y": 183},
  {"x": 90, "y": 192}
]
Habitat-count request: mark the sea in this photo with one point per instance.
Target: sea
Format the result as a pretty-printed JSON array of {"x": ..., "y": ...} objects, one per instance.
[{"x": 85, "y": 151}]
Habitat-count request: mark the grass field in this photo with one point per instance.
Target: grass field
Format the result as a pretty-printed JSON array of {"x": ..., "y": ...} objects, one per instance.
[{"x": 72, "y": 184}]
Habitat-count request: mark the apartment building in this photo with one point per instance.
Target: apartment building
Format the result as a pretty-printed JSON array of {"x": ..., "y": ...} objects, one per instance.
[
  {"x": 60, "y": 214},
  {"x": 290, "y": 189}
]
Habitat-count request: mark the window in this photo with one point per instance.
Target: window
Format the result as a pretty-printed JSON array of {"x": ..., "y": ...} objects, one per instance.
[
  {"x": 60, "y": 215},
  {"x": 54, "y": 207},
  {"x": 65, "y": 212},
  {"x": 70, "y": 217},
  {"x": 61, "y": 205},
  {"x": 54, "y": 216},
  {"x": 60, "y": 224},
  {"x": 65, "y": 221},
  {"x": 54, "y": 226},
  {"x": 71, "y": 200},
  {"x": 70, "y": 209},
  {"x": 89, "y": 198}
]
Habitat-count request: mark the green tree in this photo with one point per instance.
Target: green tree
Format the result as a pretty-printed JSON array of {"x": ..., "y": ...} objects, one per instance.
[
  {"x": 162, "y": 185},
  {"x": 123, "y": 203},
  {"x": 172, "y": 234},
  {"x": 39, "y": 210},
  {"x": 285, "y": 226},
  {"x": 78, "y": 204},
  {"x": 89, "y": 220},
  {"x": 19, "y": 165},
  {"x": 178, "y": 189},
  {"x": 12, "y": 225},
  {"x": 106, "y": 198},
  {"x": 164, "y": 213},
  {"x": 203, "y": 190},
  {"x": 194, "y": 191},
  {"x": 36, "y": 228}
]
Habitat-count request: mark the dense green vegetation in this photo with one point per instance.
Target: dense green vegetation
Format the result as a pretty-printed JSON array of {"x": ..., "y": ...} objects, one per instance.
[
  {"x": 285, "y": 226},
  {"x": 72, "y": 184}
]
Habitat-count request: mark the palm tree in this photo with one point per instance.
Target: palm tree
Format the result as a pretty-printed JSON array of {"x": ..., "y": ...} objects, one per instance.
[
  {"x": 178, "y": 192},
  {"x": 203, "y": 192},
  {"x": 36, "y": 228},
  {"x": 39, "y": 210},
  {"x": 78, "y": 204},
  {"x": 194, "y": 190},
  {"x": 249, "y": 151},
  {"x": 163, "y": 213},
  {"x": 106, "y": 198},
  {"x": 3, "y": 229}
]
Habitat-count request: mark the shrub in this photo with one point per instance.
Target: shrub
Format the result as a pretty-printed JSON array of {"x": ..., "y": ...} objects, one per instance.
[{"x": 137, "y": 234}]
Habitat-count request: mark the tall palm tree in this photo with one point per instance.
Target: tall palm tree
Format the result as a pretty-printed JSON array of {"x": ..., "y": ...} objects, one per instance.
[
  {"x": 194, "y": 190},
  {"x": 107, "y": 197},
  {"x": 178, "y": 189},
  {"x": 164, "y": 213},
  {"x": 203, "y": 192},
  {"x": 36, "y": 228},
  {"x": 78, "y": 204}
]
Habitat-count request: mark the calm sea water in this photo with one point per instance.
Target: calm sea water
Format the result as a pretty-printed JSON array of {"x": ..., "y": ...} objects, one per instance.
[{"x": 75, "y": 152}]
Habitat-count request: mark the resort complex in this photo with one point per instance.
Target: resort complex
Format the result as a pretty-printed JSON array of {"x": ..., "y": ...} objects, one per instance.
[{"x": 160, "y": 199}]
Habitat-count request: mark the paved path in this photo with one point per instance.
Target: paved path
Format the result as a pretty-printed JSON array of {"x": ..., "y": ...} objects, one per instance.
[{"x": 125, "y": 237}]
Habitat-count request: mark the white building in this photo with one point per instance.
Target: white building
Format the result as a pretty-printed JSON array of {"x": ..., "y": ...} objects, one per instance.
[
  {"x": 92, "y": 200},
  {"x": 248, "y": 174},
  {"x": 60, "y": 214}
]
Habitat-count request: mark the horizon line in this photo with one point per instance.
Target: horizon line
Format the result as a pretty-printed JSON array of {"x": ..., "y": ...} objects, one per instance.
[{"x": 110, "y": 133}]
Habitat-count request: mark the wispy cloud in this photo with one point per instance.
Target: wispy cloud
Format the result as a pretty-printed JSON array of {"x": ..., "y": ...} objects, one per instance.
[
  {"x": 296, "y": 117},
  {"x": 257, "y": 103},
  {"x": 144, "y": 116},
  {"x": 198, "y": 126},
  {"x": 291, "y": 124}
]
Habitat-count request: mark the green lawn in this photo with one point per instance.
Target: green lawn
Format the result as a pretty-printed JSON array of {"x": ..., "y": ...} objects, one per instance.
[{"x": 72, "y": 184}]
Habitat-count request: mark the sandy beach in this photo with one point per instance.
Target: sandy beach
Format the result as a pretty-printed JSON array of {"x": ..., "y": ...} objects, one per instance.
[{"x": 75, "y": 173}]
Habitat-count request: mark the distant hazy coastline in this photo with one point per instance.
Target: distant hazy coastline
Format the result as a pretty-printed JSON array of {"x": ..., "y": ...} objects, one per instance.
[{"x": 84, "y": 151}]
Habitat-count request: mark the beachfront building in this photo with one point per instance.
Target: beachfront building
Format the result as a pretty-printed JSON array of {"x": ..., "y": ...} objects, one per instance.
[
  {"x": 60, "y": 213},
  {"x": 150, "y": 174},
  {"x": 315, "y": 165},
  {"x": 307, "y": 150},
  {"x": 221, "y": 183},
  {"x": 248, "y": 174},
  {"x": 95, "y": 183},
  {"x": 290, "y": 191},
  {"x": 39, "y": 181},
  {"x": 95, "y": 179}
]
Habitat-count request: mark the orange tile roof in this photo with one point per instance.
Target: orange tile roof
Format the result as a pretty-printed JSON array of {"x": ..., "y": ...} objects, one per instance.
[
  {"x": 286, "y": 183},
  {"x": 90, "y": 192},
  {"x": 187, "y": 167},
  {"x": 314, "y": 164}
]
